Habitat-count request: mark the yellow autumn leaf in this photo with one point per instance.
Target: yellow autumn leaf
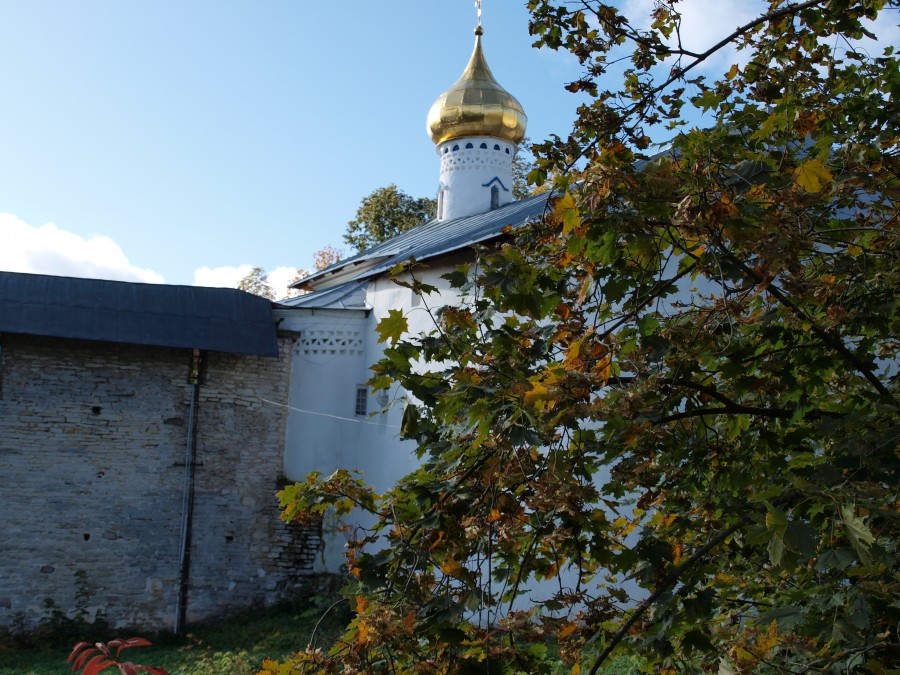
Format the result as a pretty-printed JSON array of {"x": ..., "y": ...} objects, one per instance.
[
  {"x": 767, "y": 642},
  {"x": 566, "y": 213},
  {"x": 731, "y": 74},
  {"x": 362, "y": 633},
  {"x": 566, "y": 630},
  {"x": 812, "y": 176},
  {"x": 587, "y": 287},
  {"x": 665, "y": 520},
  {"x": 854, "y": 250},
  {"x": 573, "y": 354},
  {"x": 451, "y": 566},
  {"x": 603, "y": 367},
  {"x": 576, "y": 669},
  {"x": 537, "y": 394}
]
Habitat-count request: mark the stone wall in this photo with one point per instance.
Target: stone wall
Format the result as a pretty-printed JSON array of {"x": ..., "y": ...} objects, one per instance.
[{"x": 92, "y": 464}]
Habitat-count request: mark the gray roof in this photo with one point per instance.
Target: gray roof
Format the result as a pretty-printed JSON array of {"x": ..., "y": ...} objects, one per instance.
[
  {"x": 431, "y": 239},
  {"x": 350, "y": 295},
  {"x": 192, "y": 317}
]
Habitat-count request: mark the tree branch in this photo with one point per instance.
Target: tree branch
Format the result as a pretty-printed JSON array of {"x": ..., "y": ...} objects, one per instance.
[
  {"x": 831, "y": 340},
  {"x": 678, "y": 73},
  {"x": 663, "y": 586}
]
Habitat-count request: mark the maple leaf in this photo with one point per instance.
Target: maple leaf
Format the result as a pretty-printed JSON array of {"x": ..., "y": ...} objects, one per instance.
[
  {"x": 566, "y": 213},
  {"x": 392, "y": 327},
  {"x": 812, "y": 176}
]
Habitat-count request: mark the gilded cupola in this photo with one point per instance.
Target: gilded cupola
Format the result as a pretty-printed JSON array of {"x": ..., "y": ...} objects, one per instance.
[{"x": 476, "y": 106}]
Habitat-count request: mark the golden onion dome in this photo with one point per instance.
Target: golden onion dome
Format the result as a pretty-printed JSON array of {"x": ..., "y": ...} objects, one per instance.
[{"x": 476, "y": 106}]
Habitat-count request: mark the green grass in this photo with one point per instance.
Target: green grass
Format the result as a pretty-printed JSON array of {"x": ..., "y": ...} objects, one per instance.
[
  {"x": 233, "y": 647},
  {"x": 236, "y": 646}
]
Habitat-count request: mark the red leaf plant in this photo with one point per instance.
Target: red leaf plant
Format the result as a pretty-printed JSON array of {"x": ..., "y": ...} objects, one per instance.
[{"x": 95, "y": 658}]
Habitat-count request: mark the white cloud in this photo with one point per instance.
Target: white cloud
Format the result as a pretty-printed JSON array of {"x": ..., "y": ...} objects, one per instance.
[
  {"x": 228, "y": 276},
  {"x": 49, "y": 250},
  {"x": 221, "y": 277},
  {"x": 885, "y": 30},
  {"x": 279, "y": 278},
  {"x": 703, "y": 24}
]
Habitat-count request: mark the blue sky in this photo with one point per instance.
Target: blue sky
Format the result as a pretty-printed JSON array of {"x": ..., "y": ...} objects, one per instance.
[
  {"x": 164, "y": 137},
  {"x": 220, "y": 133}
]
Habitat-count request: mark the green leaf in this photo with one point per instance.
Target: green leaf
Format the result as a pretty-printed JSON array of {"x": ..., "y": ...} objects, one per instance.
[
  {"x": 787, "y": 617},
  {"x": 800, "y": 537},
  {"x": 392, "y": 327},
  {"x": 776, "y": 549},
  {"x": 410, "y": 423},
  {"x": 857, "y": 532}
]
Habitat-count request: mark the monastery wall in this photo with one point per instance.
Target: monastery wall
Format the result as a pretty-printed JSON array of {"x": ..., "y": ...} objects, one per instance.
[{"x": 92, "y": 469}]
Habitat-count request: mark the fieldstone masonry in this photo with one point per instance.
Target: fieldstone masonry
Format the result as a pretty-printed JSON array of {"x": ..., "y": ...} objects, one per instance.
[{"x": 92, "y": 453}]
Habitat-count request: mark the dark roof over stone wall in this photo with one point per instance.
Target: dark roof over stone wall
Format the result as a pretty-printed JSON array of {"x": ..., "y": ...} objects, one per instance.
[{"x": 192, "y": 317}]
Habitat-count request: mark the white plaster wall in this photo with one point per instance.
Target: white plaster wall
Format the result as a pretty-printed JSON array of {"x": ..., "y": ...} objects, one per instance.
[
  {"x": 464, "y": 173},
  {"x": 326, "y": 366},
  {"x": 323, "y": 433}
]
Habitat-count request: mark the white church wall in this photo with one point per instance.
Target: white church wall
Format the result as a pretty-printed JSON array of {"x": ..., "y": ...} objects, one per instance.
[
  {"x": 328, "y": 362},
  {"x": 323, "y": 431},
  {"x": 331, "y": 360}
]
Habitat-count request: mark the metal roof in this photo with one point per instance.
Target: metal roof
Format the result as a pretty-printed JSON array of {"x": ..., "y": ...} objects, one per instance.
[
  {"x": 351, "y": 295},
  {"x": 436, "y": 237},
  {"x": 192, "y": 317}
]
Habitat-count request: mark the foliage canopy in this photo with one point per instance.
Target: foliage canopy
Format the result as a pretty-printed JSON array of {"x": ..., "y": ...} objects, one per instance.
[
  {"x": 665, "y": 418},
  {"x": 385, "y": 213},
  {"x": 257, "y": 282}
]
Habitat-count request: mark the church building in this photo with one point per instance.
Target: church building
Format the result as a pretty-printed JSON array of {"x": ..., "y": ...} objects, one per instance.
[
  {"x": 145, "y": 429},
  {"x": 334, "y": 420}
]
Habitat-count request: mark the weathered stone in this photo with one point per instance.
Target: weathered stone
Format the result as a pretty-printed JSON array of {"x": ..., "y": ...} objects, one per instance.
[{"x": 101, "y": 492}]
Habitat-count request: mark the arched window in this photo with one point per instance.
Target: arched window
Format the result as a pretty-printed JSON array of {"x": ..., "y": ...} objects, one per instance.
[
  {"x": 495, "y": 197},
  {"x": 507, "y": 151},
  {"x": 455, "y": 148},
  {"x": 446, "y": 150},
  {"x": 496, "y": 146},
  {"x": 469, "y": 146},
  {"x": 484, "y": 146}
]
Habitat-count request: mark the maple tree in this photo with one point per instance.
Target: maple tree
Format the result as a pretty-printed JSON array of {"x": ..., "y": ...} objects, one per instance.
[{"x": 664, "y": 419}]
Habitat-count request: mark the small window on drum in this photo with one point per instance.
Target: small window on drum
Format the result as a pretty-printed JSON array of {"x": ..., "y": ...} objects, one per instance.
[
  {"x": 483, "y": 146},
  {"x": 469, "y": 146}
]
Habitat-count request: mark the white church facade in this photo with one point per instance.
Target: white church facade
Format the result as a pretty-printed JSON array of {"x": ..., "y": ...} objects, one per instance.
[{"x": 334, "y": 419}]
